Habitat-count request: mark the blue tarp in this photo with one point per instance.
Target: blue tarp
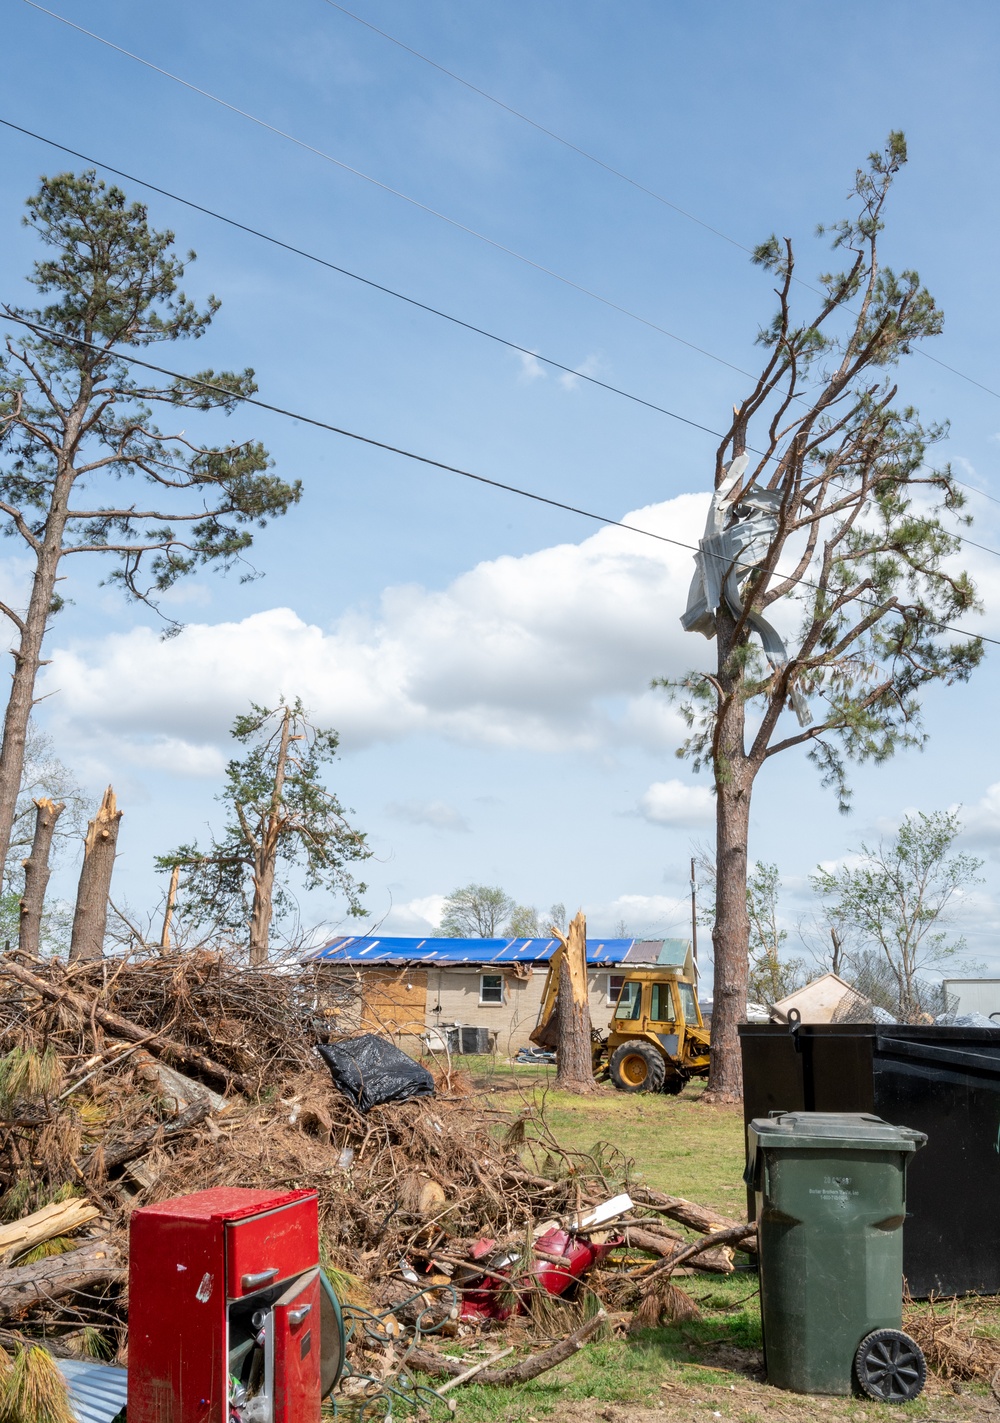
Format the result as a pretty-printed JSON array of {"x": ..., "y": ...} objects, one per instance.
[{"x": 399, "y": 950}]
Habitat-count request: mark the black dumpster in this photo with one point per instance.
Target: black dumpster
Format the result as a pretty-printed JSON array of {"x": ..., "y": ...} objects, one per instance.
[{"x": 941, "y": 1081}]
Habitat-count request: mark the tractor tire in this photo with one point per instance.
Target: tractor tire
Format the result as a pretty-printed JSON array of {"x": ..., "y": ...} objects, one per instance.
[
  {"x": 637, "y": 1067},
  {"x": 675, "y": 1084}
]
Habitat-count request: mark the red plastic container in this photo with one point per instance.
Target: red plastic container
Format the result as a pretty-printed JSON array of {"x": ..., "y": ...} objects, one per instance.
[{"x": 496, "y": 1297}]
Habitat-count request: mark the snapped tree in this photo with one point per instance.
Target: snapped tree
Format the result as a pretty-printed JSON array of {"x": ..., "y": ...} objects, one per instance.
[
  {"x": 279, "y": 812},
  {"x": 77, "y": 430},
  {"x": 894, "y": 907},
  {"x": 824, "y": 503}
]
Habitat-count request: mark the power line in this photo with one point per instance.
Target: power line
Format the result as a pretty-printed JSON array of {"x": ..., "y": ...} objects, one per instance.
[
  {"x": 367, "y": 281},
  {"x": 396, "y": 193},
  {"x": 610, "y": 168},
  {"x": 452, "y": 222},
  {"x": 38, "y": 328},
  {"x": 423, "y": 306}
]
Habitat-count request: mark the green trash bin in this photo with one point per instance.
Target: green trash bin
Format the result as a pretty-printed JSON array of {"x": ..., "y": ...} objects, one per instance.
[{"x": 831, "y": 1199}]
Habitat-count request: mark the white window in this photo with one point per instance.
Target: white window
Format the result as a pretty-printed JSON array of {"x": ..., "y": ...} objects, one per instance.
[
  {"x": 491, "y": 988},
  {"x": 615, "y": 981}
]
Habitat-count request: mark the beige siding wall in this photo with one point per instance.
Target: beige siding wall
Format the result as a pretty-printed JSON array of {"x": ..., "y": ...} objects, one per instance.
[{"x": 456, "y": 991}]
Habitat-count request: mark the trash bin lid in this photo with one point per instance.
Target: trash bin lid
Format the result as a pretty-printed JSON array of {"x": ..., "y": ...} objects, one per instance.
[{"x": 855, "y": 1131}]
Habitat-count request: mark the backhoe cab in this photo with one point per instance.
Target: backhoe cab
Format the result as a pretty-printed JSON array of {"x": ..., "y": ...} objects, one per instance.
[{"x": 657, "y": 1040}]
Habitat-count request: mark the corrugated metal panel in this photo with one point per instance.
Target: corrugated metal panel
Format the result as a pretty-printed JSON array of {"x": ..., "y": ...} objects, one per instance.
[
  {"x": 673, "y": 952},
  {"x": 97, "y": 1392},
  {"x": 459, "y": 951}
]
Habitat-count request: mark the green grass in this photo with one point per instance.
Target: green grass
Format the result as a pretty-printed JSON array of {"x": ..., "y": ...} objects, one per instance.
[
  {"x": 678, "y": 1145},
  {"x": 683, "y": 1371}
]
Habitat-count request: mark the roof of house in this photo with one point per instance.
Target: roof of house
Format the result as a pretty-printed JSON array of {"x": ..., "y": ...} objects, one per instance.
[{"x": 395, "y": 950}]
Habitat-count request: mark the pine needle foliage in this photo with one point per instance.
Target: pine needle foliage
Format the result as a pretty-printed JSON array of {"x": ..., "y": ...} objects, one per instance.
[
  {"x": 34, "y": 1390},
  {"x": 857, "y": 543}
]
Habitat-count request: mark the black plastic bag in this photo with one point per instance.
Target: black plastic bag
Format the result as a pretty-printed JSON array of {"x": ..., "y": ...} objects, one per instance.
[{"x": 371, "y": 1070}]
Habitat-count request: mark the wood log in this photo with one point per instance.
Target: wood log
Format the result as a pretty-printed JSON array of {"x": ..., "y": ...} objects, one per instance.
[
  {"x": 733, "y": 1236},
  {"x": 36, "y": 875},
  {"x": 695, "y": 1217},
  {"x": 114, "y": 1154},
  {"x": 59, "y": 1218},
  {"x": 176, "y": 1090},
  {"x": 427, "y": 1361},
  {"x": 719, "y": 1259},
  {"x": 87, "y": 1007},
  {"x": 90, "y": 921},
  {"x": 23, "y": 1286}
]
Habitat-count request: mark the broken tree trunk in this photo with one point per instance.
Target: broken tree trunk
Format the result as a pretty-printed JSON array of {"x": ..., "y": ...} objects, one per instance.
[
  {"x": 168, "y": 913},
  {"x": 36, "y": 875},
  {"x": 91, "y": 918},
  {"x": 60, "y": 1218},
  {"x": 265, "y": 858},
  {"x": 429, "y": 1362},
  {"x": 26, "y": 1285},
  {"x": 177, "y": 1053},
  {"x": 574, "y": 1058}
]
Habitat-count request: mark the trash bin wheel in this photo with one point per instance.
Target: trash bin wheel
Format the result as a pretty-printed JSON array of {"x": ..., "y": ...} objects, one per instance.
[
  {"x": 890, "y": 1367},
  {"x": 637, "y": 1067}
]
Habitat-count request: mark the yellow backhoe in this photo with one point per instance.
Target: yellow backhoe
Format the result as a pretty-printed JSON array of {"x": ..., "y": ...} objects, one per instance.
[{"x": 657, "y": 1040}]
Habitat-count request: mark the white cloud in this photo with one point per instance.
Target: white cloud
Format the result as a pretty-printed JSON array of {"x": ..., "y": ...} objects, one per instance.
[
  {"x": 551, "y": 650},
  {"x": 676, "y": 803},
  {"x": 416, "y": 916},
  {"x": 435, "y": 813},
  {"x": 590, "y": 367},
  {"x": 531, "y": 367},
  {"x": 181, "y": 758},
  {"x": 981, "y": 822},
  {"x": 658, "y": 916}
]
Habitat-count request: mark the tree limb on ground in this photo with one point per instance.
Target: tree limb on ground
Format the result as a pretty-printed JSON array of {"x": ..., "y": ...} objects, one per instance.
[
  {"x": 59, "y": 1218},
  {"x": 718, "y": 1260},
  {"x": 175, "y": 1052},
  {"x": 92, "y": 1265},
  {"x": 427, "y": 1361},
  {"x": 144, "y": 1140},
  {"x": 695, "y": 1217},
  {"x": 732, "y": 1236}
]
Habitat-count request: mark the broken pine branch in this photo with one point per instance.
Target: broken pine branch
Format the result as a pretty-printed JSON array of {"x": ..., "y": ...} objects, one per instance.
[
  {"x": 427, "y": 1361},
  {"x": 88, "y": 1008}
]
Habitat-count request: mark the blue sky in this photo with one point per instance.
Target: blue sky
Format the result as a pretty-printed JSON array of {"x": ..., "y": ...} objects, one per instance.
[{"x": 486, "y": 659}]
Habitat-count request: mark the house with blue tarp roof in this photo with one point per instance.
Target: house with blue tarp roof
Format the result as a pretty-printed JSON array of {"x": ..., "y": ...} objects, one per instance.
[{"x": 423, "y": 988}]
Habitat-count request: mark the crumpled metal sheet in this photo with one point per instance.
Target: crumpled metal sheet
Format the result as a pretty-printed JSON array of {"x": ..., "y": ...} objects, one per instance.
[
  {"x": 736, "y": 540},
  {"x": 97, "y": 1392}
]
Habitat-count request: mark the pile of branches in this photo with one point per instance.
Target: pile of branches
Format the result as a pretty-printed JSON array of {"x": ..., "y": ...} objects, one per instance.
[
  {"x": 129, "y": 1081},
  {"x": 956, "y": 1339}
]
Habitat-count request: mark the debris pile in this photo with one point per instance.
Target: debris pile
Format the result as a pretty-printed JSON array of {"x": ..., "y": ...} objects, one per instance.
[{"x": 127, "y": 1081}]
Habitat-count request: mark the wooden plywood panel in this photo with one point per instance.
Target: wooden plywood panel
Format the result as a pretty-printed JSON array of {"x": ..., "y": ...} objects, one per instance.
[{"x": 394, "y": 1001}]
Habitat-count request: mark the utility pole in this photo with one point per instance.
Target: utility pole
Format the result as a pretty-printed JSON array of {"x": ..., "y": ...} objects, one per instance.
[{"x": 694, "y": 914}]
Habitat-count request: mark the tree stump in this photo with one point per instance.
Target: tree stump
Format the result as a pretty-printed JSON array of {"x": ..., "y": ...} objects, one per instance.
[
  {"x": 574, "y": 1059},
  {"x": 91, "y": 918},
  {"x": 36, "y": 875}
]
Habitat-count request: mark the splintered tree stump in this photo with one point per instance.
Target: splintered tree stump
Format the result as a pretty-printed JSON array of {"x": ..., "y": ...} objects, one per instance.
[
  {"x": 574, "y": 1059},
  {"x": 91, "y": 918},
  {"x": 36, "y": 875}
]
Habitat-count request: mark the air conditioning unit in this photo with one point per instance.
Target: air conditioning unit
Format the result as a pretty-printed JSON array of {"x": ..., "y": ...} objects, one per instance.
[{"x": 474, "y": 1040}]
